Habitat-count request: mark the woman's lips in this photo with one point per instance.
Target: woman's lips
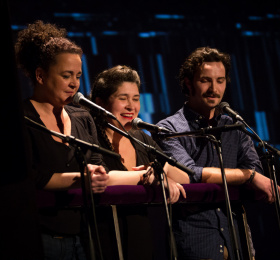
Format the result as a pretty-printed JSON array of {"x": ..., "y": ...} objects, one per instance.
[{"x": 129, "y": 116}]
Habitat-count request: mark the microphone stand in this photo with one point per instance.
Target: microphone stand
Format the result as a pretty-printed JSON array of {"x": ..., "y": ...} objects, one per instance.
[
  {"x": 205, "y": 133},
  {"x": 232, "y": 230},
  {"x": 158, "y": 170},
  {"x": 269, "y": 153},
  {"x": 80, "y": 156}
]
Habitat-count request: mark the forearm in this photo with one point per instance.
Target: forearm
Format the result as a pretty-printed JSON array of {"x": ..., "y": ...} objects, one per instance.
[
  {"x": 233, "y": 176},
  {"x": 64, "y": 181},
  {"x": 176, "y": 174},
  {"x": 125, "y": 177}
]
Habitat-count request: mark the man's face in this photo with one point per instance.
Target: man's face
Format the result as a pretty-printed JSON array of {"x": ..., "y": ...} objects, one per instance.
[{"x": 207, "y": 88}]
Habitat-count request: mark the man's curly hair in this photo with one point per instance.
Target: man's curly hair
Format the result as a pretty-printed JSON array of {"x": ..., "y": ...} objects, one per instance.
[
  {"x": 195, "y": 60},
  {"x": 39, "y": 44}
]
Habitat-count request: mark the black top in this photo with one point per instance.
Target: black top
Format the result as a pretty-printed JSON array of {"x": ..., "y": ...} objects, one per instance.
[
  {"x": 138, "y": 224},
  {"x": 50, "y": 156},
  {"x": 143, "y": 157}
]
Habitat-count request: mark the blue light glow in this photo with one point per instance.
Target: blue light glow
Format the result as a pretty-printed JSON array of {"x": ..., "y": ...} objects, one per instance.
[
  {"x": 151, "y": 34},
  {"x": 250, "y": 33},
  {"x": 85, "y": 75},
  {"x": 147, "y": 104},
  {"x": 164, "y": 101},
  {"x": 76, "y": 34},
  {"x": 255, "y": 18},
  {"x": 238, "y": 25},
  {"x": 110, "y": 33},
  {"x": 261, "y": 125},
  {"x": 93, "y": 45},
  {"x": 169, "y": 16}
]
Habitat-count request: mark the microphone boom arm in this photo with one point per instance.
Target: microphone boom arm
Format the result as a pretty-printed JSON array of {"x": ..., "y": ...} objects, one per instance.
[
  {"x": 202, "y": 132},
  {"x": 71, "y": 139},
  {"x": 153, "y": 150}
]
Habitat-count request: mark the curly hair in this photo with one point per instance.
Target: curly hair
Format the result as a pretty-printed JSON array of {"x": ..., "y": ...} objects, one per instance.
[
  {"x": 195, "y": 60},
  {"x": 108, "y": 81},
  {"x": 39, "y": 44}
]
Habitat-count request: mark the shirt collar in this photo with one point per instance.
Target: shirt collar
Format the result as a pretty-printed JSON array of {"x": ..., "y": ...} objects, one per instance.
[{"x": 195, "y": 117}]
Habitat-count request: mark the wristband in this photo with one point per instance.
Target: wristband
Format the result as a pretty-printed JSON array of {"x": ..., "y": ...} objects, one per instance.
[{"x": 252, "y": 176}]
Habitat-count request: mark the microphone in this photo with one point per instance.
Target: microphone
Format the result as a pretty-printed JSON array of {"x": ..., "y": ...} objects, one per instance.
[
  {"x": 80, "y": 100},
  {"x": 224, "y": 106},
  {"x": 137, "y": 124}
]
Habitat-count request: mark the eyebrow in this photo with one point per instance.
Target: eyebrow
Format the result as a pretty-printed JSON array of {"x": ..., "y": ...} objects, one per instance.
[
  {"x": 123, "y": 94},
  {"x": 206, "y": 77},
  {"x": 71, "y": 72}
]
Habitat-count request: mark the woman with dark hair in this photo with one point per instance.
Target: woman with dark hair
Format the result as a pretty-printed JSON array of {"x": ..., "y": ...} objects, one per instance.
[
  {"x": 54, "y": 65},
  {"x": 117, "y": 90}
]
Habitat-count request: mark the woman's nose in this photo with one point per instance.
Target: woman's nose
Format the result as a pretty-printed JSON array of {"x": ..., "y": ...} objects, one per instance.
[{"x": 75, "y": 82}]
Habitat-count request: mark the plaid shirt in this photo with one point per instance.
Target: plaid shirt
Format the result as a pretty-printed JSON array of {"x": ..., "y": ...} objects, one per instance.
[{"x": 202, "y": 231}]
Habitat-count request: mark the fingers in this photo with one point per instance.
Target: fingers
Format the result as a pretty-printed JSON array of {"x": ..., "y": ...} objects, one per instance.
[
  {"x": 181, "y": 188},
  {"x": 97, "y": 169},
  {"x": 174, "y": 192},
  {"x": 139, "y": 168},
  {"x": 99, "y": 178},
  {"x": 99, "y": 182},
  {"x": 174, "y": 195},
  {"x": 272, "y": 195}
]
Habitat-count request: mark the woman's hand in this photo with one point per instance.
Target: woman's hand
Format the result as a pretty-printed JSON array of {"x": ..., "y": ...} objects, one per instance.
[{"x": 99, "y": 178}]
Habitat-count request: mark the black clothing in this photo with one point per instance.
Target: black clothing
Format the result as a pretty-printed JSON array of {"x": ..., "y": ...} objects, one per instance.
[
  {"x": 143, "y": 157},
  {"x": 143, "y": 228},
  {"x": 49, "y": 157}
]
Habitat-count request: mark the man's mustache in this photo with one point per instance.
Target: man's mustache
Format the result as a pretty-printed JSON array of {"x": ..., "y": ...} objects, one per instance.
[{"x": 211, "y": 94}]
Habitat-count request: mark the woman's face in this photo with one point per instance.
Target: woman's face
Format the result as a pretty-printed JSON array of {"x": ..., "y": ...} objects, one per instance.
[
  {"x": 62, "y": 80},
  {"x": 124, "y": 104}
]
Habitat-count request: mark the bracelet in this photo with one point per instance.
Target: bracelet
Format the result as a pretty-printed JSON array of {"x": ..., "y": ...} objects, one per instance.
[
  {"x": 144, "y": 179},
  {"x": 252, "y": 176}
]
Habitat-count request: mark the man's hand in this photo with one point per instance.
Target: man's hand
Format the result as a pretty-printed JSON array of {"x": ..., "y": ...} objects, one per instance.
[{"x": 263, "y": 183}]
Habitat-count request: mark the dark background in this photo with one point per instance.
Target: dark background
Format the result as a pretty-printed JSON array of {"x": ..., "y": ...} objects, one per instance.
[{"x": 154, "y": 37}]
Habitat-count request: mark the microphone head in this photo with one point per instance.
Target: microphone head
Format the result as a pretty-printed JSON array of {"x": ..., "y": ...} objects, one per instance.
[
  {"x": 134, "y": 123},
  {"x": 222, "y": 105},
  {"x": 76, "y": 98},
  {"x": 220, "y": 109}
]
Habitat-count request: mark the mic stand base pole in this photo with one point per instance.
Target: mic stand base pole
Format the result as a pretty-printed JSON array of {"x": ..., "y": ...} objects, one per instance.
[
  {"x": 82, "y": 163},
  {"x": 158, "y": 171},
  {"x": 228, "y": 206},
  {"x": 271, "y": 170},
  {"x": 269, "y": 153}
]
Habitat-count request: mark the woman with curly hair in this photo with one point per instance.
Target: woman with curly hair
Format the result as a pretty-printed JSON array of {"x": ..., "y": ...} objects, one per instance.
[{"x": 54, "y": 65}]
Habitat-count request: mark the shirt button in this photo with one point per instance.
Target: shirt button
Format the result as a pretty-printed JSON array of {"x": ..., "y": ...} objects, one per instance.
[
  {"x": 221, "y": 250},
  {"x": 218, "y": 209},
  {"x": 67, "y": 165},
  {"x": 222, "y": 229},
  {"x": 221, "y": 245}
]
